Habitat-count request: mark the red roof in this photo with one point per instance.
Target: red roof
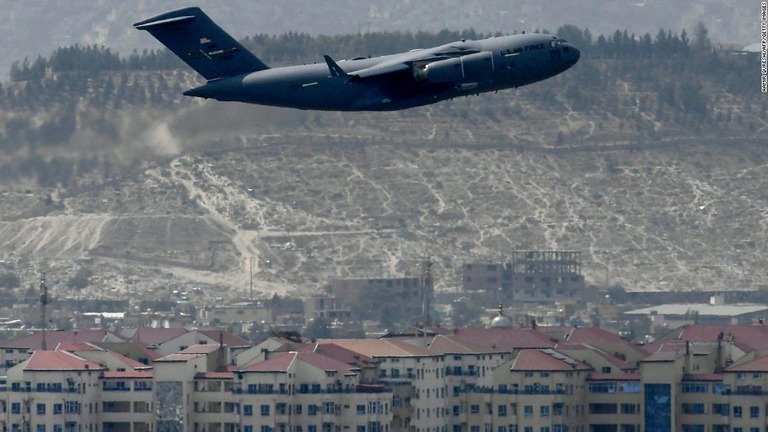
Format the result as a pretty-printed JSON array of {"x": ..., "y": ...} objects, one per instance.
[
  {"x": 748, "y": 337},
  {"x": 77, "y": 346},
  {"x": 340, "y": 353},
  {"x": 284, "y": 361},
  {"x": 127, "y": 375},
  {"x": 502, "y": 339},
  {"x": 178, "y": 357},
  {"x": 379, "y": 347},
  {"x": 54, "y": 338},
  {"x": 156, "y": 336},
  {"x": 228, "y": 338},
  {"x": 277, "y": 362},
  {"x": 201, "y": 349},
  {"x": 58, "y": 361},
  {"x": 759, "y": 364},
  {"x": 325, "y": 363},
  {"x": 545, "y": 360},
  {"x": 587, "y": 335},
  {"x": 443, "y": 344}
]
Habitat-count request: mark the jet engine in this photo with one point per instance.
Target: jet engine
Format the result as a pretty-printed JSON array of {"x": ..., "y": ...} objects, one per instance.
[{"x": 472, "y": 66}]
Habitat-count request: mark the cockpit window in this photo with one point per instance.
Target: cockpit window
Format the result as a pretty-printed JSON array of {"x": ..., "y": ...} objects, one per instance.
[{"x": 555, "y": 42}]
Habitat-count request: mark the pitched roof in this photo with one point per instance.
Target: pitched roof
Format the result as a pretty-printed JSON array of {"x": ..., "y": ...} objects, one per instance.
[
  {"x": 702, "y": 309},
  {"x": 178, "y": 357},
  {"x": 504, "y": 339},
  {"x": 747, "y": 337},
  {"x": 58, "y": 361},
  {"x": 157, "y": 336},
  {"x": 613, "y": 359},
  {"x": 545, "y": 360},
  {"x": 379, "y": 347},
  {"x": 326, "y": 363},
  {"x": 284, "y": 361},
  {"x": 588, "y": 335},
  {"x": 277, "y": 362},
  {"x": 77, "y": 346},
  {"x": 54, "y": 338},
  {"x": 201, "y": 349},
  {"x": 340, "y": 353},
  {"x": 227, "y": 338},
  {"x": 759, "y": 364},
  {"x": 444, "y": 344}
]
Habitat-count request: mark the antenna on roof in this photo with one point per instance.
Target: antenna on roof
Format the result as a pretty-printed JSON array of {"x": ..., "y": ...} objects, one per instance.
[{"x": 43, "y": 304}]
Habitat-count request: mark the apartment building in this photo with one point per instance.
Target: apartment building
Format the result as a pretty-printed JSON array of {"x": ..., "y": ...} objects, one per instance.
[{"x": 699, "y": 378}]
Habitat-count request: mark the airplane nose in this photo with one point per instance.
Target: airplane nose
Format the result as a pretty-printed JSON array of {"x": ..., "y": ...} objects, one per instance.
[{"x": 574, "y": 54}]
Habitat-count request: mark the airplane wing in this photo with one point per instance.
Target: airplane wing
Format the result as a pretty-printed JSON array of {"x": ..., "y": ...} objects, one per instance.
[{"x": 406, "y": 61}]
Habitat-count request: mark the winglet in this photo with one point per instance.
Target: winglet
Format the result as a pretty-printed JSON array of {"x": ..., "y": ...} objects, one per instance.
[{"x": 334, "y": 67}]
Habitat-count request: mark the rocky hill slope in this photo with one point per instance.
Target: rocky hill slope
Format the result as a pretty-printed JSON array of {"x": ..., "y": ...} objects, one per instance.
[{"x": 656, "y": 170}]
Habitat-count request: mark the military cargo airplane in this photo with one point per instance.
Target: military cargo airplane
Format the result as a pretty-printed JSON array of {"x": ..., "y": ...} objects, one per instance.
[{"x": 392, "y": 82}]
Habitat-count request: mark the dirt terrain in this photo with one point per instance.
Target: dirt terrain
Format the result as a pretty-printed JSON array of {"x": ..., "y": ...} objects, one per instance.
[{"x": 297, "y": 198}]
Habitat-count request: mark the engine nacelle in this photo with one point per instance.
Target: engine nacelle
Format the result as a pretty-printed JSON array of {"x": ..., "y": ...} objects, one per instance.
[{"x": 472, "y": 66}]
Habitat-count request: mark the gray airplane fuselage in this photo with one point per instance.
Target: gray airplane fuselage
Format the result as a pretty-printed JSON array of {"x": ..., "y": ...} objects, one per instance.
[
  {"x": 500, "y": 63},
  {"x": 393, "y": 82}
]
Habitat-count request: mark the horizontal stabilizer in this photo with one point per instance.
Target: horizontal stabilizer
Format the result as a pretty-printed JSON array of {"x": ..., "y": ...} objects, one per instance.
[{"x": 204, "y": 46}]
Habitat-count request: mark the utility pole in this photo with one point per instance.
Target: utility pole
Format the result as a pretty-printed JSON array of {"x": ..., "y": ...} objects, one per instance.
[
  {"x": 427, "y": 291},
  {"x": 43, "y": 305}
]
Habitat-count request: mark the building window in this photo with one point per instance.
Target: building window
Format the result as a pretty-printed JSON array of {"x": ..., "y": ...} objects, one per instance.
[
  {"x": 329, "y": 408},
  {"x": 312, "y": 410},
  {"x": 502, "y": 410},
  {"x": 545, "y": 410},
  {"x": 694, "y": 387},
  {"x": 737, "y": 411},
  {"x": 721, "y": 409},
  {"x": 474, "y": 409},
  {"x": 40, "y": 409},
  {"x": 297, "y": 409},
  {"x": 15, "y": 408},
  {"x": 40, "y": 428},
  {"x": 265, "y": 410},
  {"x": 603, "y": 408},
  {"x": 693, "y": 408},
  {"x": 247, "y": 410},
  {"x": 528, "y": 411},
  {"x": 754, "y": 412},
  {"x": 693, "y": 428},
  {"x": 58, "y": 408},
  {"x": 628, "y": 408},
  {"x": 602, "y": 387}
]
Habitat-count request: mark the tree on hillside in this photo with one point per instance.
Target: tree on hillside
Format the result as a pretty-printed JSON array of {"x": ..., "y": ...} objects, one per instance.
[{"x": 701, "y": 40}]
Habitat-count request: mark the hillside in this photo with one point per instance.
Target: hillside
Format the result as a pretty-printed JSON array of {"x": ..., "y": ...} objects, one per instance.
[
  {"x": 654, "y": 167},
  {"x": 37, "y": 28}
]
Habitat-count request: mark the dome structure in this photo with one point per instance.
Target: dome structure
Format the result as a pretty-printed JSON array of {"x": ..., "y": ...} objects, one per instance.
[{"x": 500, "y": 321}]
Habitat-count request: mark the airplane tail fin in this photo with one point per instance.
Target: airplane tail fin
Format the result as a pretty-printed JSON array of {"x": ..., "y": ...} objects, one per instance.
[{"x": 204, "y": 46}]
